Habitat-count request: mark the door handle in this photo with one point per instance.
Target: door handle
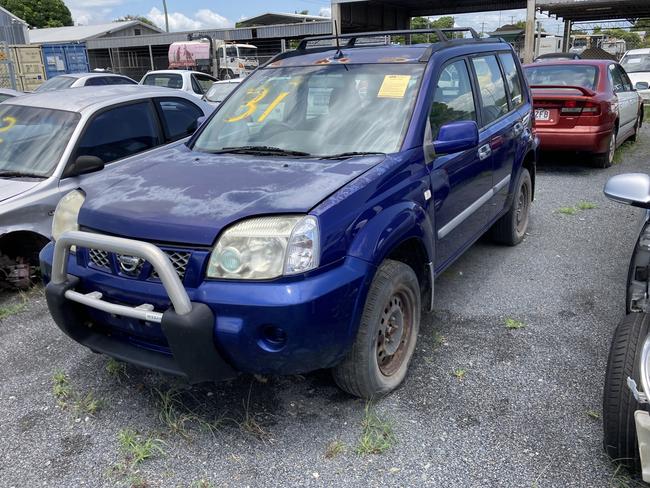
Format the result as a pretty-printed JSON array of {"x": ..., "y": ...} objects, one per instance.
[
  {"x": 484, "y": 152},
  {"x": 518, "y": 129}
]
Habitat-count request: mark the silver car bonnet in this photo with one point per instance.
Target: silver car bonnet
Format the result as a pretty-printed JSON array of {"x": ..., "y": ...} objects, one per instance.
[{"x": 12, "y": 187}]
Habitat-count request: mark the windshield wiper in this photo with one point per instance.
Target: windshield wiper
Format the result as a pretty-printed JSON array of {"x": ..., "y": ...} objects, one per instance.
[
  {"x": 20, "y": 174},
  {"x": 274, "y": 151},
  {"x": 352, "y": 154}
]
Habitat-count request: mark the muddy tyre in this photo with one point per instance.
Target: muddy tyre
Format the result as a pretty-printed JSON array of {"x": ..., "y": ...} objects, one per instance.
[
  {"x": 619, "y": 404},
  {"x": 385, "y": 342}
]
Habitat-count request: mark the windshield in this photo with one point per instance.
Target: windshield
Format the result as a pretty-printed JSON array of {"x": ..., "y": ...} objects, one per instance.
[
  {"x": 247, "y": 52},
  {"x": 32, "y": 140},
  {"x": 58, "y": 83},
  {"x": 636, "y": 63},
  {"x": 167, "y": 80},
  {"x": 568, "y": 75},
  {"x": 220, "y": 91},
  {"x": 318, "y": 110}
]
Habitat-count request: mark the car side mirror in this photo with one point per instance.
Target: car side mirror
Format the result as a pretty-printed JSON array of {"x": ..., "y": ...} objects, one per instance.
[
  {"x": 642, "y": 85},
  {"x": 456, "y": 137},
  {"x": 84, "y": 165},
  {"x": 631, "y": 189}
]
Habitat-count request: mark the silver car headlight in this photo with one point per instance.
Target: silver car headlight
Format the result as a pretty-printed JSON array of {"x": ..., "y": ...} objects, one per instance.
[
  {"x": 66, "y": 214},
  {"x": 262, "y": 248}
]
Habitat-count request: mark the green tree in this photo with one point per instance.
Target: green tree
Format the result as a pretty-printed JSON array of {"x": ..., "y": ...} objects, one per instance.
[
  {"x": 632, "y": 39},
  {"x": 40, "y": 13},
  {"x": 425, "y": 23},
  {"x": 642, "y": 24},
  {"x": 141, "y": 18}
]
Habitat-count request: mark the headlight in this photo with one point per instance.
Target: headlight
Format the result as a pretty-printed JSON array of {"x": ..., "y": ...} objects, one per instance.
[
  {"x": 262, "y": 248},
  {"x": 67, "y": 213}
]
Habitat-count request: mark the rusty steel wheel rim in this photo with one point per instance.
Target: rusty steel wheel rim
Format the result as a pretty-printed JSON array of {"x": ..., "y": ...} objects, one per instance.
[{"x": 395, "y": 327}]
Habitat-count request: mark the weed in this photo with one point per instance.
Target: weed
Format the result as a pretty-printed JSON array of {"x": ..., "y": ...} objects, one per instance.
[
  {"x": 10, "y": 310},
  {"x": 567, "y": 210},
  {"x": 377, "y": 434},
  {"x": 250, "y": 423},
  {"x": 61, "y": 387},
  {"x": 438, "y": 339},
  {"x": 116, "y": 369},
  {"x": 137, "y": 448},
  {"x": 87, "y": 404},
  {"x": 334, "y": 449},
  {"x": 620, "y": 152},
  {"x": 202, "y": 483},
  {"x": 584, "y": 205},
  {"x": 593, "y": 414},
  {"x": 460, "y": 373},
  {"x": 514, "y": 324}
]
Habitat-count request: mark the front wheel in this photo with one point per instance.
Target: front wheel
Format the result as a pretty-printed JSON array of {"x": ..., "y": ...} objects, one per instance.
[
  {"x": 619, "y": 404},
  {"x": 511, "y": 228},
  {"x": 385, "y": 342}
]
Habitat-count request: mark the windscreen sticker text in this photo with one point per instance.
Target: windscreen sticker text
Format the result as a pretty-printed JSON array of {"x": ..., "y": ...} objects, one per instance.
[{"x": 394, "y": 86}]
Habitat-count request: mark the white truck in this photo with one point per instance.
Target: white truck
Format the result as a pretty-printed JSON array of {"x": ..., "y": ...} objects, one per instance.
[{"x": 222, "y": 60}]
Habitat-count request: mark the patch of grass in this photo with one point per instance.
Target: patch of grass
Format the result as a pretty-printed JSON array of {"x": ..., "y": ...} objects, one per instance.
[
  {"x": 249, "y": 423},
  {"x": 177, "y": 417},
  {"x": 202, "y": 483},
  {"x": 514, "y": 324},
  {"x": 61, "y": 387},
  {"x": 116, "y": 369},
  {"x": 567, "y": 210},
  {"x": 334, "y": 448},
  {"x": 87, "y": 404},
  {"x": 460, "y": 373},
  {"x": 377, "y": 434},
  {"x": 584, "y": 205},
  {"x": 137, "y": 448},
  {"x": 620, "y": 152},
  {"x": 15, "y": 308},
  {"x": 438, "y": 339},
  {"x": 594, "y": 414}
]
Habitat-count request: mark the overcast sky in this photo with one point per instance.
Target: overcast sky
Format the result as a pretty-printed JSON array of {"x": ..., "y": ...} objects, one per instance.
[{"x": 198, "y": 14}]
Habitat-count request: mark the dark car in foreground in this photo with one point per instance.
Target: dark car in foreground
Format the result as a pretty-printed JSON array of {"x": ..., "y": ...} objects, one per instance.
[
  {"x": 626, "y": 398},
  {"x": 302, "y": 228},
  {"x": 587, "y": 106}
]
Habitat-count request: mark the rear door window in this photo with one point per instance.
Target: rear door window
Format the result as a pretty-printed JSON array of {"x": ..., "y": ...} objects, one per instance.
[
  {"x": 179, "y": 117},
  {"x": 120, "y": 132},
  {"x": 196, "y": 87},
  {"x": 494, "y": 100},
  {"x": 513, "y": 79},
  {"x": 453, "y": 99}
]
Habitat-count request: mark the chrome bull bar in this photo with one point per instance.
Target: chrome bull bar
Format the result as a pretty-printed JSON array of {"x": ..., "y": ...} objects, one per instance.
[{"x": 144, "y": 250}]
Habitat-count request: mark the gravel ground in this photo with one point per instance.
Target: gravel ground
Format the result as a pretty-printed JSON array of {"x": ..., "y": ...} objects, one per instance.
[{"x": 483, "y": 405}]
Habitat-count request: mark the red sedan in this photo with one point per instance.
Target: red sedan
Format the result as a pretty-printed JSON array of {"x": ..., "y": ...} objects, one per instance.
[{"x": 584, "y": 105}]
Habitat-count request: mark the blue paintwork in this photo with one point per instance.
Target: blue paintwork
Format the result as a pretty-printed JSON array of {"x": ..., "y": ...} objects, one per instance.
[
  {"x": 366, "y": 207},
  {"x": 456, "y": 137},
  {"x": 72, "y": 57}
]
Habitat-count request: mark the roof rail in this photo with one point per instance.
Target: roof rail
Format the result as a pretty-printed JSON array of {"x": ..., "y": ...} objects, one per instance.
[{"x": 352, "y": 38}]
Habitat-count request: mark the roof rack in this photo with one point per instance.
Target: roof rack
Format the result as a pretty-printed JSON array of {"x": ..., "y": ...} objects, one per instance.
[{"x": 352, "y": 38}]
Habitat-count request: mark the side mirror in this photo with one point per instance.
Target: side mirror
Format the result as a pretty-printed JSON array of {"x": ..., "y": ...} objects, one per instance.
[
  {"x": 631, "y": 189},
  {"x": 642, "y": 85},
  {"x": 84, "y": 165},
  {"x": 456, "y": 137}
]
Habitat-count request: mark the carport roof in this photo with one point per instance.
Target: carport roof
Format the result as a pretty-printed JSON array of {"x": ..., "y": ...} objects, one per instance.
[
  {"x": 592, "y": 10},
  {"x": 442, "y": 7}
]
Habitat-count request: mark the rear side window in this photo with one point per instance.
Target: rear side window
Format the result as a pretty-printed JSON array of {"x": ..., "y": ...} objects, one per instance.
[
  {"x": 512, "y": 77},
  {"x": 95, "y": 81},
  {"x": 196, "y": 87},
  {"x": 567, "y": 74},
  {"x": 179, "y": 117},
  {"x": 494, "y": 101},
  {"x": 120, "y": 132},
  {"x": 453, "y": 99},
  {"x": 120, "y": 80},
  {"x": 168, "y": 80},
  {"x": 205, "y": 81}
]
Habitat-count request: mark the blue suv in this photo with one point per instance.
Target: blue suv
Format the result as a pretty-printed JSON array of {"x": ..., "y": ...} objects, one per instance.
[{"x": 303, "y": 225}]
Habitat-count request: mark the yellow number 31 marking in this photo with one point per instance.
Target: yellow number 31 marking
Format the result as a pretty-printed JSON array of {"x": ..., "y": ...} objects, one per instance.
[{"x": 10, "y": 122}]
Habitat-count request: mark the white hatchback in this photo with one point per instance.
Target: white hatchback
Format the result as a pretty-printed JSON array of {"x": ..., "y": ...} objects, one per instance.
[
  {"x": 193, "y": 82},
  {"x": 637, "y": 64}
]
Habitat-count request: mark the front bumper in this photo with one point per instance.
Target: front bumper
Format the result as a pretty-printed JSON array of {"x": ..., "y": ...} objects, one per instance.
[{"x": 212, "y": 330}]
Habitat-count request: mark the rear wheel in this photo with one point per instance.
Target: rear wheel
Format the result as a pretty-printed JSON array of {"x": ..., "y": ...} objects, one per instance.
[
  {"x": 605, "y": 160},
  {"x": 380, "y": 355},
  {"x": 619, "y": 404},
  {"x": 511, "y": 228}
]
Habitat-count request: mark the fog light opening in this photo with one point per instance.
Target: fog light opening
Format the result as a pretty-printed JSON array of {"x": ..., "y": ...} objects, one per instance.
[{"x": 273, "y": 338}]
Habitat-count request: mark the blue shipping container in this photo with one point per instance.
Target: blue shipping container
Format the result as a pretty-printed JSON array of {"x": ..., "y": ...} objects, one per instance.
[{"x": 62, "y": 59}]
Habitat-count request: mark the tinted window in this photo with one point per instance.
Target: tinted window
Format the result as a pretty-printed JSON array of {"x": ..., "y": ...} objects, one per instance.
[
  {"x": 568, "y": 74},
  {"x": 120, "y": 80},
  {"x": 494, "y": 101},
  {"x": 205, "y": 82},
  {"x": 453, "y": 99},
  {"x": 512, "y": 77},
  {"x": 627, "y": 84},
  {"x": 167, "y": 80},
  {"x": 179, "y": 117},
  {"x": 196, "y": 87},
  {"x": 617, "y": 80},
  {"x": 120, "y": 132},
  {"x": 95, "y": 81}
]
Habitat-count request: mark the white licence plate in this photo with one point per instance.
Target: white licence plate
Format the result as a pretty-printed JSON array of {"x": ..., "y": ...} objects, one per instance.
[{"x": 542, "y": 114}]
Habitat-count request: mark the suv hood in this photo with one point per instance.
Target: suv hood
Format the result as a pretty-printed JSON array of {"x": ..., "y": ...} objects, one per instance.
[
  {"x": 185, "y": 197},
  {"x": 11, "y": 187}
]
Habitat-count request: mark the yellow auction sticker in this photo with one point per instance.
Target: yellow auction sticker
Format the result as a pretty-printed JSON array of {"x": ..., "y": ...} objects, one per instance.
[{"x": 394, "y": 86}]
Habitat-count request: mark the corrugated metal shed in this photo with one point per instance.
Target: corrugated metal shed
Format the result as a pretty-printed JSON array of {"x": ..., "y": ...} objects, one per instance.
[
  {"x": 594, "y": 10},
  {"x": 80, "y": 33},
  {"x": 13, "y": 30},
  {"x": 274, "y": 18}
]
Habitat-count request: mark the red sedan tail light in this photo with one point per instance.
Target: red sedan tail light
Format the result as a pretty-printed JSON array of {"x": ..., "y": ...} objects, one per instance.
[{"x": 577, "y": 107}]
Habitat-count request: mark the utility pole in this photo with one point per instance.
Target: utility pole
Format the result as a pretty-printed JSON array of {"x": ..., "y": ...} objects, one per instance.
[
  {"x": 166, "y": 16},
  {"x": 529, "y": 44}
]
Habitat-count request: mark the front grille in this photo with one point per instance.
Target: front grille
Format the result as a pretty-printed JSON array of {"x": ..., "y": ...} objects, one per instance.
[
  {"x": 101, "y": 259},
  {"x": 179, "y": 260}
]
